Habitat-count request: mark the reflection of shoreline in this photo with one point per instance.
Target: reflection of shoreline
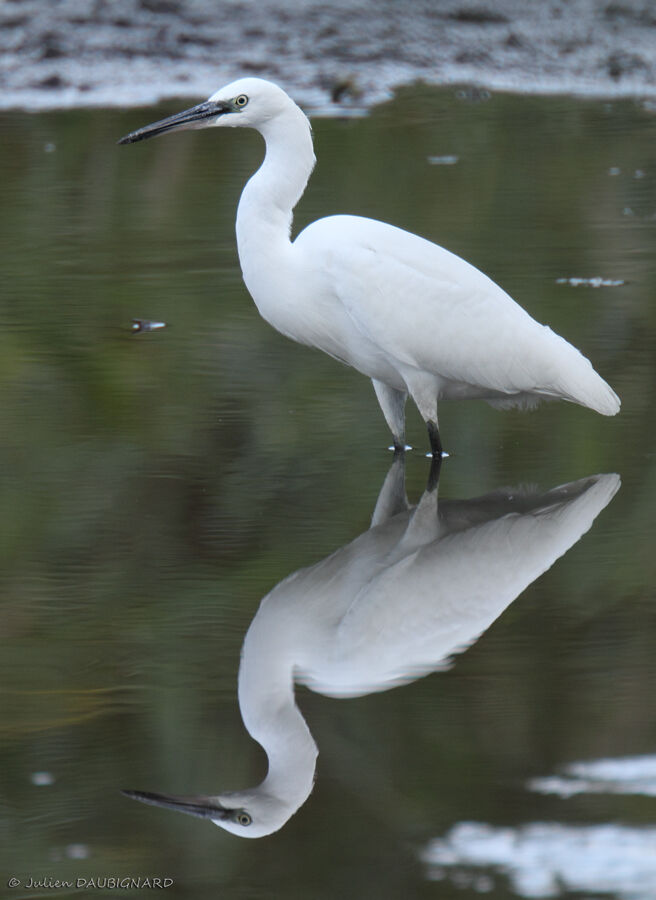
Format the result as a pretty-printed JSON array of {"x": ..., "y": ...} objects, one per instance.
[
  {"x": 626, "y": 775},
  {"x": 548, "y": 859},
  {"x": 136, "y": 52}
]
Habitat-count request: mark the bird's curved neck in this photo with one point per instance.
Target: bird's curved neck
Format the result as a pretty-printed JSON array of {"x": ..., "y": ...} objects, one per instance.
[
  {"x": 264, "y": 215},
  {"x": 271, "y": 716}
]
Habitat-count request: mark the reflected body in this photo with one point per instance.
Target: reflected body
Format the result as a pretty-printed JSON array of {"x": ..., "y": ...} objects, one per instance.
[
  {"x": 410, "y": 315},
  {"x": 396, "y": 603}
]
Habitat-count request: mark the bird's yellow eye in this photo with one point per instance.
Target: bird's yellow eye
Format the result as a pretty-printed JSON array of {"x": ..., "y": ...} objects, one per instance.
[
  {"x": 241, "y": 101},
  {"x": 243, "y": 818}
]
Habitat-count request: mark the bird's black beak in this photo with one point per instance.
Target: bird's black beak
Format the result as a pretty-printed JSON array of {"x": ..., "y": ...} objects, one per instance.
[
  {"x": 195, "y": 117},
  {"x": 202, "y": 807}
]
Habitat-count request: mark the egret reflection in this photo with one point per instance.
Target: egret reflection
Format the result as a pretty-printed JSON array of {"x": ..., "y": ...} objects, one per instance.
[{"x": 420, "y": 585}]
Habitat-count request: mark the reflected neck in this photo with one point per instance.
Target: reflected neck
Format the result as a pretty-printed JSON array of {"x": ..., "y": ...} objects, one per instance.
[{"x": 272, "y": 718}]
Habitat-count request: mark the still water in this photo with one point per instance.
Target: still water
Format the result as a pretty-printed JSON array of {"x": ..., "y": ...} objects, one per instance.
[{"x": 453, "y": 657}]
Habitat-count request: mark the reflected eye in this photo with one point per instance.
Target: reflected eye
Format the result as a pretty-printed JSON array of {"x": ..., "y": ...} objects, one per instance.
[
  {"x": 240, "y": 103},
  {"x": 242, "y": 818}
]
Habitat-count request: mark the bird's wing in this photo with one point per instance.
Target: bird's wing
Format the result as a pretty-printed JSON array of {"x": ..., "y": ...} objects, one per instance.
[
  {"x": 436, "y": 601},
  {"x": 429, "y": 309}
]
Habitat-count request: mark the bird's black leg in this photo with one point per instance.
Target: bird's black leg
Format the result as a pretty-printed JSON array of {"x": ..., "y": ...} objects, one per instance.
[
  {"x": 434, "y": 438},
  {"x": 434, "y": 474}
]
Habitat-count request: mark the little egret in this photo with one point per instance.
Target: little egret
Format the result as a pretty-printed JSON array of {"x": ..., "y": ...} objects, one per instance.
[
  {"x": 420, "y": 585},
  {"x": 410, "y": 315}
]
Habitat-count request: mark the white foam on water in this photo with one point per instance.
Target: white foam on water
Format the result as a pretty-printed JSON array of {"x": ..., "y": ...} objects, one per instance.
[
  {"x": 443, "y": 160},
  {"x": 595, "y": 282}
]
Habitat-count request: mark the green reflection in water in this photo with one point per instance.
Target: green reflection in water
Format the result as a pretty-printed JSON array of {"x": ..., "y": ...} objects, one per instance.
[{"x": 156, "y": 487}]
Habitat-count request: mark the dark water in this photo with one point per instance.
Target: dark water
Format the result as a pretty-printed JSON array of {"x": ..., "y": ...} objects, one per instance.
[{"x": 156, "y": 486}]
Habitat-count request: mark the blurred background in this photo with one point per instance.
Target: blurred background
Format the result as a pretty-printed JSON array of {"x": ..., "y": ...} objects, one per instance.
[{"x": 124, "y": 52}]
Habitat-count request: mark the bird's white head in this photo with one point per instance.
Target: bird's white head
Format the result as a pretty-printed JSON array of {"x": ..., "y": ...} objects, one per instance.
[
  {"x": 251, "y": 813},
  {"x": 245, "y": 103}
]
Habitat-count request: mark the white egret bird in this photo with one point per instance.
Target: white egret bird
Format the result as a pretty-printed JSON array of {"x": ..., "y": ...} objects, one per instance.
[
  {"x": 405, "y": 312},
  {"x": 420, "y": 585}
]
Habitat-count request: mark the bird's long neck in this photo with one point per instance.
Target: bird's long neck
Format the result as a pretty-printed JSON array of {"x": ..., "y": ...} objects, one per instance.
[
  {"x": 264, "y": 215},
  {"x": 271, "y": 716}
]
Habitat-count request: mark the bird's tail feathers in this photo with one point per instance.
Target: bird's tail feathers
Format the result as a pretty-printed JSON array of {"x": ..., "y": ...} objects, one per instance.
[
  {"x": 589, "y": 389},
  {"x": 576, "y": 380}
]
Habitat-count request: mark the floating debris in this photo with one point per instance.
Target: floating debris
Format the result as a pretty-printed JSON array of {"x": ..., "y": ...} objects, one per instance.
[
  {"x": 614, "y": 170},
  {"x": 473, "y": 94},
  {"x": 77, "y": 851},
  {"x": 443, "y": 160},
  {"x": 139, "y": 326},
  {"x": 590, "y": 282},
  {"x": 42, "y": 779}
]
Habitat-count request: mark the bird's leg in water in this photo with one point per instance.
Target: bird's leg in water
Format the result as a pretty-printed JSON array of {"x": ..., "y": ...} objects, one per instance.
[
  {"x": 434, "y": 474},
  {"x": 434, "y": 438},
  {"x": 392, "y": 403}
]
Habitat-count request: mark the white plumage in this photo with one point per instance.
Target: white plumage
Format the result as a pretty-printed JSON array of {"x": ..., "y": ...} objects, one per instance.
[
  {"x": 410, "y": 315},
  {"x": 396, "y": 603}
]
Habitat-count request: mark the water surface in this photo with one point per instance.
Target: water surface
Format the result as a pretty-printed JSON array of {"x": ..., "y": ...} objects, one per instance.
[{"x": 156, "y": 486}]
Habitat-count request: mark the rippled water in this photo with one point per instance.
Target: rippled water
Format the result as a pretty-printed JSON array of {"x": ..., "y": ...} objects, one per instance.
[{"x": 156, "y": 486}]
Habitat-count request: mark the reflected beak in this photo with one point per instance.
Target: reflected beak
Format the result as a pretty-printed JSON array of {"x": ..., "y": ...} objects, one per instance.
[
  {"x": 195, "y": 117},
  {"x": 202, "y": 807}
]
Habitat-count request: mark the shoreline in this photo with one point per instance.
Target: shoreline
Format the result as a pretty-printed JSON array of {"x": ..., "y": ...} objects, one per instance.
[{"x": 98, "y": 53}]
